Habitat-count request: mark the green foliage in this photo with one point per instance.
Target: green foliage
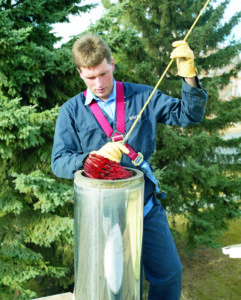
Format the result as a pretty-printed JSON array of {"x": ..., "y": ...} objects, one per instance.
[
  {"x": 200, "y": 178},
  {"x": 36, "y": 209},
  {"x": 202, "y": 169}
]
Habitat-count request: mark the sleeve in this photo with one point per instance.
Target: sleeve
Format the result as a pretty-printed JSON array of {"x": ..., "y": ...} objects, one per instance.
[
  {"x": 189, "y": 109},
  {"x": 67, "y": 153}
]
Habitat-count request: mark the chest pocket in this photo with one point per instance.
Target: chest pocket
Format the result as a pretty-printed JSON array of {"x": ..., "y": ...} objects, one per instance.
[
  {"x": 142, "y": 138},
  {"x": 91, "y": 137}
]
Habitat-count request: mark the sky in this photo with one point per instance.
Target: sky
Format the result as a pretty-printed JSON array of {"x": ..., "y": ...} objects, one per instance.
[{"x": 81, "y": 23}]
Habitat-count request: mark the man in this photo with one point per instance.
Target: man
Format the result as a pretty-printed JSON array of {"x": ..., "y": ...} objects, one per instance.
[{"x": 78, "y": 134}]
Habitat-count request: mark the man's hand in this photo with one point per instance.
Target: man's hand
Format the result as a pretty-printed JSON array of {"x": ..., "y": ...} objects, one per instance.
[
  {"x": 185, "y": 59},
  {"x": 112, "y": 151}
]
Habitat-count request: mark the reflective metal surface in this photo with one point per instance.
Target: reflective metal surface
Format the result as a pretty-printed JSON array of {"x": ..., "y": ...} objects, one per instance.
[{"x": 108, "y": 237}]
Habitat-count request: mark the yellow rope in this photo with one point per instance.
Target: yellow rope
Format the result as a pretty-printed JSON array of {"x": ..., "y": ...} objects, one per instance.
[{"x": 164, "y": 73}]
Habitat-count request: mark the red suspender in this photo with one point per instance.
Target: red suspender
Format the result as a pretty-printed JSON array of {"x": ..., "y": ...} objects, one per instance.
[
  {"x": 101, "y": 118},
  {"x": 120, "y": 112},
  {"x": 120, "y": 119}
]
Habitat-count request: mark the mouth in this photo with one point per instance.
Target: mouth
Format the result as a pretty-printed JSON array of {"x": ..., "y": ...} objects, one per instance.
[{"x": 100, "y": 91}]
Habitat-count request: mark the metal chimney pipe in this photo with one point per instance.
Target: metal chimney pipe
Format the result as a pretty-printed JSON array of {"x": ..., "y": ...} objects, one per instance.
[{"x": 108, "y": 237}]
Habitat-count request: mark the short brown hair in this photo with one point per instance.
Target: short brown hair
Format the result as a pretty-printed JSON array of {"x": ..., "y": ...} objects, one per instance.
[{"x": 90, "y": 50}]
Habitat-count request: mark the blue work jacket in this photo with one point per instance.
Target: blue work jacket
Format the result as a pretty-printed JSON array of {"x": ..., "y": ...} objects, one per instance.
[{"x": 78, "y": 133}]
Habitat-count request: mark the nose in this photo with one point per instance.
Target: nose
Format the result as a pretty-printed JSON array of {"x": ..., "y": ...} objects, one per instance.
[{"x": 98, "y": 82}]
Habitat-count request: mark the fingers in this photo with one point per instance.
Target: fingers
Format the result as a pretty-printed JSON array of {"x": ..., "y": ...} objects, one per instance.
[
  {"x": 123, "y": 148},
  {"x": 115, "y": 147},
  {"x": 179, "y": 43},
  {"x": 112, "y": 151},
  {"x": 93, "y": 152},
  {"x": 182, "y": 50}
]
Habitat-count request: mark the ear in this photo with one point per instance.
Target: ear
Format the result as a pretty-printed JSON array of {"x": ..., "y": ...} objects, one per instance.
[
  {"x": 80, "y": 73},
  {"x": 112, "y": 64}
]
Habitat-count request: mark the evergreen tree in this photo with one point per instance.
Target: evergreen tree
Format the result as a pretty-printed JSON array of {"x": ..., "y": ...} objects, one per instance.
[
  {"x": 36, "y": 208},
  {"x": 201, "y": 179}
]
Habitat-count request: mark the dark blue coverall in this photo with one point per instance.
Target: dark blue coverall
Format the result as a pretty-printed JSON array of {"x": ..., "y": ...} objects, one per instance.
[{"x": 78, "y": 133}]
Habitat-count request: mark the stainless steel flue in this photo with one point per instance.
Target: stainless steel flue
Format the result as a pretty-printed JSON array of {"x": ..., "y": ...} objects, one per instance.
[{"x": 108, "y": 237}]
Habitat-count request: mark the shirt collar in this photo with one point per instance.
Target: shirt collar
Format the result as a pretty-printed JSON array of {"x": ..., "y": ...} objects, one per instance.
[{"x": 90, "y": 96}]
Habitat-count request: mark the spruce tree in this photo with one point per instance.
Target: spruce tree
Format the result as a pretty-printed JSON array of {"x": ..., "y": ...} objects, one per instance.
[
  {"x": 36, "y": 208},
  {"x": 201, "y": 179}
]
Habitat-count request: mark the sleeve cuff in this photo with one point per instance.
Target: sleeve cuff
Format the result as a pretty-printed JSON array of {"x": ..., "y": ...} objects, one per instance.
[{"x": 192, "y": 89}]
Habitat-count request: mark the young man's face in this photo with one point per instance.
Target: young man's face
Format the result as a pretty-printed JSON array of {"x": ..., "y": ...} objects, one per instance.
[{"x": 99, "y": 79}]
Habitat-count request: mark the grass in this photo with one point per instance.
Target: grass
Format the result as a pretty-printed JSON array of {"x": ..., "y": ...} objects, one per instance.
[{"x": 208, "y": 274}]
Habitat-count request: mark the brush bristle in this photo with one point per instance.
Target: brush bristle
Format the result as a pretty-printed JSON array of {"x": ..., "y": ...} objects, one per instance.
[{"x": 99, "y": 167}]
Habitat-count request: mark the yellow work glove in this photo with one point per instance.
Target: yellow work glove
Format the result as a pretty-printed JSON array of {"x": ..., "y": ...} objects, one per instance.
[
  {"x": 112, "y": 151},
  {"x": 184, "y": 58}
]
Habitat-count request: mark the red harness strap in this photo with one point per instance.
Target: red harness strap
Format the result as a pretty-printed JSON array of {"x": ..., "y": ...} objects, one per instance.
[{"x": 136, "y": 158}]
